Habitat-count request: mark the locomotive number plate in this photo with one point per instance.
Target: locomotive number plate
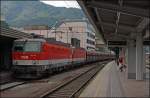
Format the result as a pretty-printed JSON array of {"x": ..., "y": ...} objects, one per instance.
[{"x": 24, "y": 57}]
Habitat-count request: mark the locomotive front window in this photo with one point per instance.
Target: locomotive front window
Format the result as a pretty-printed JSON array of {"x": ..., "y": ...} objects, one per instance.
[
  {"x": 27, "y": 46},
  {"x": 18, "y": 46},
  {"x": 32, "y": 47}
]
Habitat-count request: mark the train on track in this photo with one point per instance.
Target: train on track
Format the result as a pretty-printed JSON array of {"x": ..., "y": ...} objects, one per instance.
[{"x": 33, "y": 58}]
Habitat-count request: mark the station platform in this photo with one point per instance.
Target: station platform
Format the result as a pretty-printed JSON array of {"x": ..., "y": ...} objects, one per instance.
[{"x": 110, "y": 82}]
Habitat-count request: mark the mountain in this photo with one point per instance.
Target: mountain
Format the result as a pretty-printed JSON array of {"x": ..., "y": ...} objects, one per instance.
[{"x": 24, "y": 13}]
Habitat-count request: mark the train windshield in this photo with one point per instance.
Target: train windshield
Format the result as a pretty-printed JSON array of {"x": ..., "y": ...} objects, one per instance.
[{"x": 29, "y": 46}]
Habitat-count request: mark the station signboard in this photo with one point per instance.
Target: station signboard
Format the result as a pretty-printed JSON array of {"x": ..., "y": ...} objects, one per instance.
[{"x": 116, "y": 43}]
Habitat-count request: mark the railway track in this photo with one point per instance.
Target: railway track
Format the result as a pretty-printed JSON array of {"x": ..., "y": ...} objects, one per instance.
[
  {"x": 10, "y": 85},
  {"x": 71, "y": 88},
  {"x": 5, "y": 83},
  {"x": 54, "y": 85}
]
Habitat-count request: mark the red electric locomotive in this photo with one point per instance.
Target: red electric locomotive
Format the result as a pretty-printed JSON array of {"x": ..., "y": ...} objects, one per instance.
[{"x": 33, "y": 58}]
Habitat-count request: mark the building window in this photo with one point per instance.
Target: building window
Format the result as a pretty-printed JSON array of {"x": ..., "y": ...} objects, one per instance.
[
  {"x": 90, "y": 42},
  {"x": 75, "y": 42},
  {"x": 90, "y": 35},
  {"x": 88, "y": 47}
]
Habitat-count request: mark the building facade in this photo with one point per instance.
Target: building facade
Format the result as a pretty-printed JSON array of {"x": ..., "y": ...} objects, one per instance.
[{"x": 78, "y": 33}]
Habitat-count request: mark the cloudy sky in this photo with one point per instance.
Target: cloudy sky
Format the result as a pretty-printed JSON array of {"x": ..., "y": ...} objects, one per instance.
[{"x": 62, "y": 3}]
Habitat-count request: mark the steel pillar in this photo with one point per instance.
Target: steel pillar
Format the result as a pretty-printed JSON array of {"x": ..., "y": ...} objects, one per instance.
[
  {"x": 131, "y": 60},
  {"x": 139, "y": 57}
]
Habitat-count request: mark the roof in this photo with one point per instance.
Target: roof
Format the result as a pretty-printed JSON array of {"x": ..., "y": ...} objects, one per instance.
[
  {"x": 8, "y": 32},
  {"x": 118, "y": 20},
  {"x": 71, "y": 20}
]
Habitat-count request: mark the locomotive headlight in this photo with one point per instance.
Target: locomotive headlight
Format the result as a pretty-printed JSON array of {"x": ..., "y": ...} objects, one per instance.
[
  {"x": 35, "y": 62},
  {"x": 15, "y": 62}
]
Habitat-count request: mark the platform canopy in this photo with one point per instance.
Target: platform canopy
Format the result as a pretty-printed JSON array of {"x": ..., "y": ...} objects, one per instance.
[{"x": 118, "y": 20}]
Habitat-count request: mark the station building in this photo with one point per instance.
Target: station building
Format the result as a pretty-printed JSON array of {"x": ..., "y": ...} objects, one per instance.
[{"x": 7, "y": 36}]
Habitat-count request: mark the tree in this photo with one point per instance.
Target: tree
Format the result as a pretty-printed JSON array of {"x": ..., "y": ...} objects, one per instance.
[{"x": 4, "y": 24}]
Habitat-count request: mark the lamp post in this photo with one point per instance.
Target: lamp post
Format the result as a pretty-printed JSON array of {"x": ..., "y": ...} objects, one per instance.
[
  {"x": 55, "y": 33},
  {"x": 70, "y": 29},
  {"x": 47, "y": 32},
  {"x": 55, "y": 29},
  {"x": 52, "y": 28},
  {"x": 67, "y": 31},
  {"x": 67, "y": 36}
]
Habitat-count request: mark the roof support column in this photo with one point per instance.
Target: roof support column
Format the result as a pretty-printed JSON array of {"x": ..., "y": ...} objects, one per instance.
[
  {"x": 131, "y": 59},
  {"x": 139, "y": 57}
]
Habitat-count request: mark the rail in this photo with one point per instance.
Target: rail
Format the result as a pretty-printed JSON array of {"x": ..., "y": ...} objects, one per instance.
[{"x": 70, "y": 88}]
